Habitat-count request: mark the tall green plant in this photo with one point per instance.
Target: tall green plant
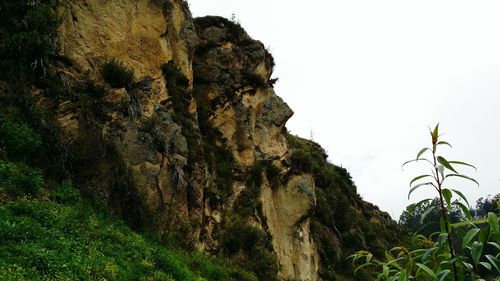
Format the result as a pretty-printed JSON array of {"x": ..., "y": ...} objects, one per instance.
[{"x": 437, "y": 257}]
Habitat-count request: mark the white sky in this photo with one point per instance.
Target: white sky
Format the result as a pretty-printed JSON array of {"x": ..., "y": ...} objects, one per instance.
[{"x": 368, "y": 78}]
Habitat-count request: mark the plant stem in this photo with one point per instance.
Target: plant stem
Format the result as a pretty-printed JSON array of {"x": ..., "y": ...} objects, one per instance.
[{"x": 445, "y": 218}]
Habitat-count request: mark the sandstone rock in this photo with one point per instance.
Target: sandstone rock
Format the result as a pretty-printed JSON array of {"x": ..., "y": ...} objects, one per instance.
[{"x": 202, "y": 87}]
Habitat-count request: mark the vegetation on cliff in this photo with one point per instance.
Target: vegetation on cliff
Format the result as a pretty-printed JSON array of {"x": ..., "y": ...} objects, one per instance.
[
  {"x": 52, "y": 233},
  {"x": 27, "y": 38},
  {"x": 342, "y": 222},
  {"x": 107, "y": 172}
]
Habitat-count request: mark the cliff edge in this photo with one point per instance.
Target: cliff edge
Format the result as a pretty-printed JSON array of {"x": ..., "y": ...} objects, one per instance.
[{"x": 174, "y": 124}]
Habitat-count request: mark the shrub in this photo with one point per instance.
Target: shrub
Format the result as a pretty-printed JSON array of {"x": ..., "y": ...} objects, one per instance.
[
  {"x": 18, "y": 139},
  {"x": 337, "y": 213},
  {"x": 224, "y": 169},
  {"x": 247, "y": 201},
  {"x": 65, "y": 193},
  {"x": 264, "y": 263},
  {"x": 18, "y": 179},
  {"x": 254, "y": 80},
  {"x": 242, "y": 238},
  {"x": 273, "y": 175},
  {"x": 28, "y": 36},
  {"x": 117, "y": 74},
  {"x": 301, "y": 161}
]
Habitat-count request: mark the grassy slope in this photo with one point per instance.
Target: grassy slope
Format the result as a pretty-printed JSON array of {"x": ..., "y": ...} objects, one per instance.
[{"x": 52, "y": 241}]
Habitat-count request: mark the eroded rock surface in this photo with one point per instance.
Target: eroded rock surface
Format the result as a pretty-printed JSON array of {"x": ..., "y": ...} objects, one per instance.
[
  {"x": 196, "y": 147},
  {"x": 232, "y": 74}
]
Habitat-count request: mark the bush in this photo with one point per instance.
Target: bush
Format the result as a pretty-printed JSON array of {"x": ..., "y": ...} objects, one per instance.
[
  {"x": 117, "y": 74},
  {"x": 224, "y": 169},
  {"x": 18, "y": 139},
  {"x": 28, "y": 36},
  {"x": 243, "y": 240},
  {"x": 273, "y": 175},
  {"x": 248, "y": 201},
  {"x": 19, "y": 179},
  {"x": 65, "y": 193},
  {"x": 301, "y": 161}
]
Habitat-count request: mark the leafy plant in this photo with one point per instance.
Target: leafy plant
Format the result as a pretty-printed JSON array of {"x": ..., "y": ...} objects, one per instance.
[
  {"x": 18, "y": 139},
  {"x": 19, "y": 179},
  {"x": 301, "y": 161},
  {"x": 117, "y": 74},
  {"x": 250, "y": 246},
  {"x": 438, "y": 257},
  {"x": 65, "y": 193},
  {"x": 51, "y": 241},
  {"x": 28, "y": 32}
]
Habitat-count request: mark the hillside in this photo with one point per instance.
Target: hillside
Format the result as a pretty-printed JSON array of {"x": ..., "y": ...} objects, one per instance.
[{"x": 172, "y": 124}]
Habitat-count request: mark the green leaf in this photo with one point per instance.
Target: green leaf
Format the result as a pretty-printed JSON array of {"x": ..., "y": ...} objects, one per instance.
[
  {"x": 369, "y": 257},
  {"x": 426, "y": 213},
  {"x": 462, "y": 176},
  {"x": 442, "y": 274},
  {"x": 485, "y": 264},
  {"x": 417, "y": 186},
  {"x": 475, "y": 250},
  {"x": 483, "y": 234},
  {"x": 446, "y": 164},
  {"x": 461, "y": 195},
  {"x": 469, "y": 266},
  {"x": 385, "y": 271},
  {"x": 388, "y": 256},
  {"x": 413, "y": 207},
  {"x": 447, "y": 196},
  {"x": 416, "y": 160},
  {"x": 462, "y": 163},
  {"x": 419, "y": 177},
  {"x": 469, "y": 236},
  {"x": 427, "y": 270},
  {"x": 441, "y": 170},
  {"x": 422, "y": 151},
  {"x": 428, "y": 253},
  {"x": 395, "y": 263},
  {"x": 494, "y": 245},
  {"x": 442, "y": 225},
  {"x": 360, "y": 267},
  {"x": 403, "y": 276},
  {"x": 493, "y": 261},
  {"x": 464, "y": 209},
  {"x": 445, "y": 143},
  {"x": 442, "y": 239},
  {"x": 435, "y": 134},
  {"x": 493, "y": 222}
]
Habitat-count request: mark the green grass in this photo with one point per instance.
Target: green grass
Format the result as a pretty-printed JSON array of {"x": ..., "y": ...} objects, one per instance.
[
  {"x": 57, "y": 235},
  {"x": 52, "y": 241}
]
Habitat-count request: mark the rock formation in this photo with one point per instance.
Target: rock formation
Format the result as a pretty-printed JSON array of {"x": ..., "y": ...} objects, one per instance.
[{"x": 195, "y": 147}]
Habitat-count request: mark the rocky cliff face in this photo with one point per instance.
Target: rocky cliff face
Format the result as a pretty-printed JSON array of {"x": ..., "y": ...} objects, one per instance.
[
  {"x": 232, "y": 78},
  {"x": 195, "y": 147}
]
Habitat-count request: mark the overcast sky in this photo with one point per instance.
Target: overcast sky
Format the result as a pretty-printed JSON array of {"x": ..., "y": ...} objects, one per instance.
[{"x": 368, "y": 78}]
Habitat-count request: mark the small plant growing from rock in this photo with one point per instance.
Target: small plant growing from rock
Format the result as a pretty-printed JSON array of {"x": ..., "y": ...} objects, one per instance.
[{"x": 117, "y": 74}]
